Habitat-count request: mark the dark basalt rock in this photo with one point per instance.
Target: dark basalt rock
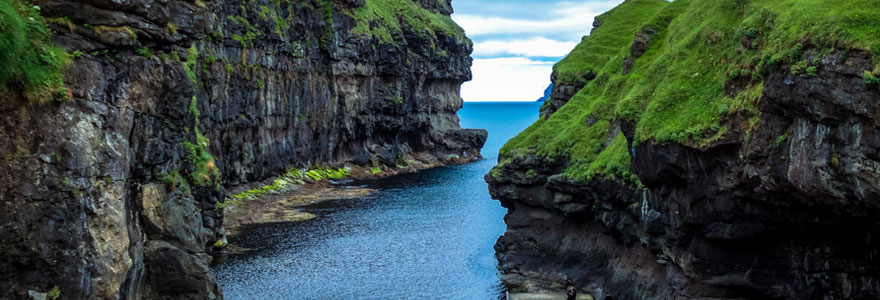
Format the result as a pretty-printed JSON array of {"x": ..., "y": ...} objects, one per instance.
[
  {"x": 86, "y": 206},
  {"x": 788, "y": 213},
  {"x": 641, "y": 42},
  {"x": 559, "y": 95}
]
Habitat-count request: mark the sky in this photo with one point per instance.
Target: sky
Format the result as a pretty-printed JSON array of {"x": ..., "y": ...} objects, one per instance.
[{"x": 516, "y": 43}]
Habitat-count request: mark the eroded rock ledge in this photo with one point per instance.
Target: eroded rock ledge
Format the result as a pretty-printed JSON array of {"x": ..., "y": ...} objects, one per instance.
[{"x": 113, "y": 194}]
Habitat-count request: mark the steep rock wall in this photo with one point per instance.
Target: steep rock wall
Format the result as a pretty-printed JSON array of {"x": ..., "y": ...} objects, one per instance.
[
  {"x": 781, "y": 205},
  {"x": 113, "y": 192}
]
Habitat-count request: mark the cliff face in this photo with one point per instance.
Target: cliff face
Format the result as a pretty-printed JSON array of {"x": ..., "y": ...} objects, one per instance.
[
  {"x": 767, "y": 188},
  {"x": 113, "y": 191}
]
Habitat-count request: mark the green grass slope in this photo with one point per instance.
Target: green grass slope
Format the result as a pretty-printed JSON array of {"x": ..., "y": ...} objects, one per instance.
[
  {"x": 675, "y": 90},
  {"x": 27, "y": 61},
  {"x": 617, "y": 28}
]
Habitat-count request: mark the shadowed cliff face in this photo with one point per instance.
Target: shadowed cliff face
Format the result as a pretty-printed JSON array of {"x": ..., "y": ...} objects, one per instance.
[
  {"x": 113, "y": 193},
  {"x": 783, "y": 212}
]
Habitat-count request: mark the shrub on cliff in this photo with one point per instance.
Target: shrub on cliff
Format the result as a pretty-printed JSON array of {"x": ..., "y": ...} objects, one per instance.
[{"x": 27, "y": 60}]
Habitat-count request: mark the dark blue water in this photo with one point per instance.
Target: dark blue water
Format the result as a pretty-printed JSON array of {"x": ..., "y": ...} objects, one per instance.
[{"x": 420, "y": 236}]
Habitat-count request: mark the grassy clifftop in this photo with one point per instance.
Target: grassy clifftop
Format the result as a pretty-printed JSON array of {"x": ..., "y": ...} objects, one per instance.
[
  {"x": 675, "y": 90},
  {"x": 379, "y": 18}
]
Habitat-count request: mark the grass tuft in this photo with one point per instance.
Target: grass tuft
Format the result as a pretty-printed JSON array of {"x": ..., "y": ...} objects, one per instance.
[
  {"x": 174, "y": 181},
  {"x": 293, "y": 176},
  {"x": 54, "y": 293},
  {"x": 321, "y": 174}
]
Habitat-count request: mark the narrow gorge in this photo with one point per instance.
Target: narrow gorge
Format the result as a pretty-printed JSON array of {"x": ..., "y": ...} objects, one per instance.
[
  {"x": 703, "y": 150},
  {"x": 123, "y": 129}
]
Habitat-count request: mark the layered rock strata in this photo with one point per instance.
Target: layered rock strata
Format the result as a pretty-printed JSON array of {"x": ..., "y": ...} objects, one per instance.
[{"x": 113, "y": 194}]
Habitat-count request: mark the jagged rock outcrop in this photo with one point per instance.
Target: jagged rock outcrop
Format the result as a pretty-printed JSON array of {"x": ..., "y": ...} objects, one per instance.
[
  {"x": 781, "y": 205},
  {"x": 559, "y": 95},
  {"x": 113, "y": 194}
]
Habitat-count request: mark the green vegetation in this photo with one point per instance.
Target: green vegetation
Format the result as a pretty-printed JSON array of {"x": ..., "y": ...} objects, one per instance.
[
  {"x": 396, "y": 100},
  {"x": 835, "y": 161},
  {"x": 327, "y": 9},
  {"x": 99, "y": 30},
  {"x": 293, "y": 176},
  {"x": 319, "y": 174},
  {"x": 29, "y": 62},
  {"x": 496, "y": 172},
  {"x": 873, "y": 77},
  {"x": 220, "y": 243},
  {"x": 530, "y": 174},
  {"x": 375, "y": 170},
  {"x": 616, "y": 32},
  {"x": 190, "y": 65},
  {"x": 174, "y": 180},
  {"x": 675, "y": 91},
  {"x": 144, "y": 51},
  {"x": 172, "y": 29},
  {"x": 250, "y": 32},
  {"x": 380, "y": 18},
  {"x": 612, "y": 162},
  {"x": 202, "y": 160},
  {"x": 54, "y": 293},
  {"x": 63, "y": 21},
  {"x": 780, "y": 140},
  {"x": 204, "y": 167}
]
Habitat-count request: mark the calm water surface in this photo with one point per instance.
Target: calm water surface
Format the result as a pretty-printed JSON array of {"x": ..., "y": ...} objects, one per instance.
[{"x": 420, "y": 236}]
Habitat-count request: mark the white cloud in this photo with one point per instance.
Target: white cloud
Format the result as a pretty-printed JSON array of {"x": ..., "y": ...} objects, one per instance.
[
  {"x": 517, "y": 30},
  {"x": 536, "y": 46},
  {"x": 507, "y": 79},
  {"x": 571, "y": 20}
]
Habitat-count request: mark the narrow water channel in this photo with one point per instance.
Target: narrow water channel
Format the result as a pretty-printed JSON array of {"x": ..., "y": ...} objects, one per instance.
[{"x": 420, "y": 236}]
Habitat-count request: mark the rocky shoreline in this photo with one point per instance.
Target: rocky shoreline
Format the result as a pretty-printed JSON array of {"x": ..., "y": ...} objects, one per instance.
[{"x": 284, "y": 204}]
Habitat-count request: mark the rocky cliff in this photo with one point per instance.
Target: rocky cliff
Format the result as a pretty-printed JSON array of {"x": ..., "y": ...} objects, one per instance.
[
  {"x": 703, "y": 150},
  {"x": 122, "y": 130}
]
